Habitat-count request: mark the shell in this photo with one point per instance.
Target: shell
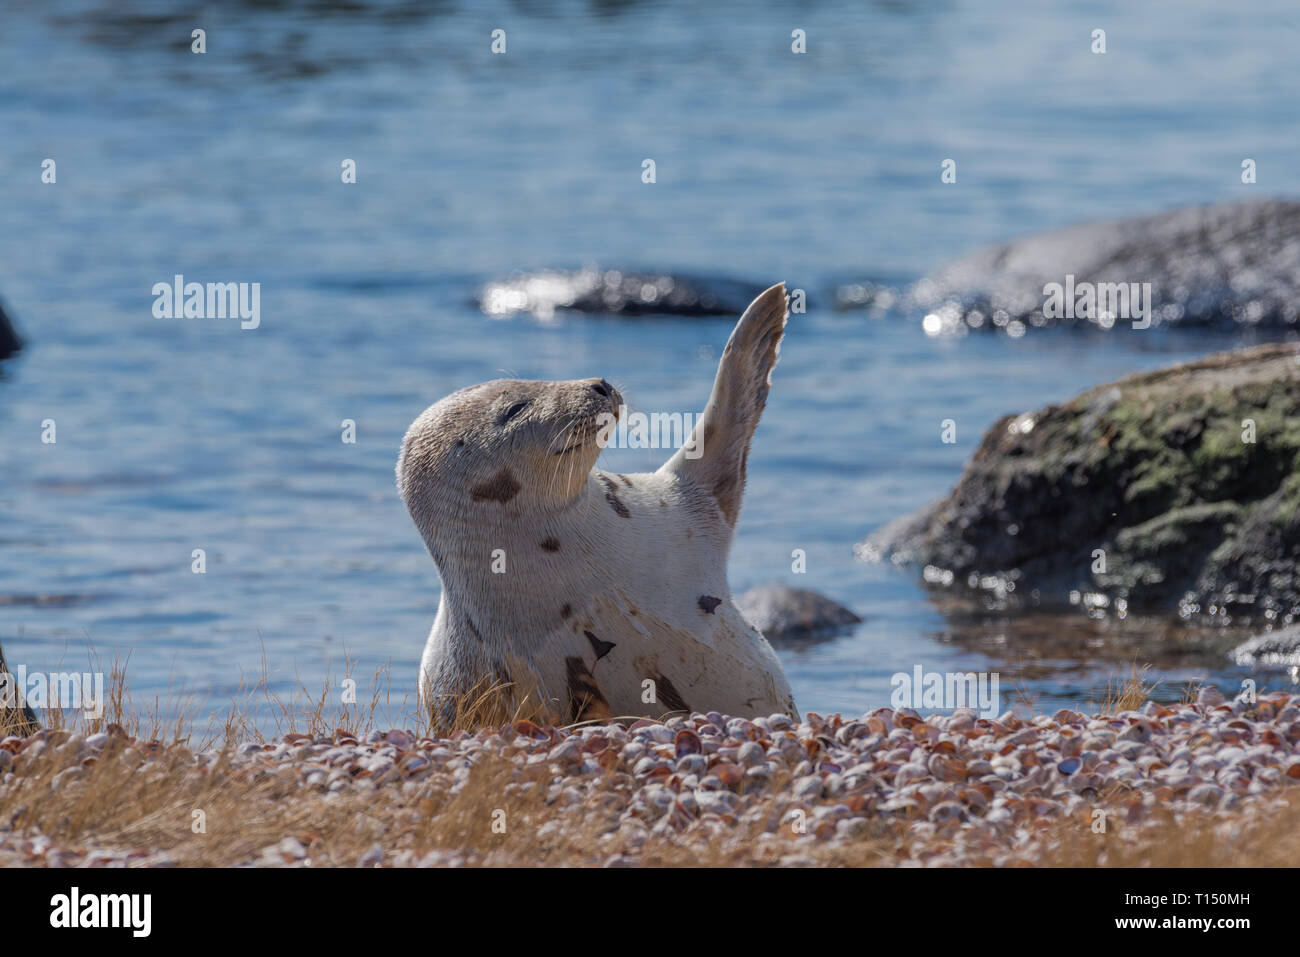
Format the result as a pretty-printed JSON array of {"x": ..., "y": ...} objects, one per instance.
[{"x": 686, "y": 742}]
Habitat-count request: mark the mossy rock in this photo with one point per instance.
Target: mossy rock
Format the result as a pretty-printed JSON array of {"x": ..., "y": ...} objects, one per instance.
[{"x": 1174, "y": 489}]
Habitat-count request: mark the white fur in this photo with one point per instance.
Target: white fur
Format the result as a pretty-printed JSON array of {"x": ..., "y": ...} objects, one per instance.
[{"x": 640, "y": 558}]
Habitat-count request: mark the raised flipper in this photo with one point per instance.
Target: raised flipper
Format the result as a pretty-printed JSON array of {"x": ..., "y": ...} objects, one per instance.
[{"x": 715, "y": 455}]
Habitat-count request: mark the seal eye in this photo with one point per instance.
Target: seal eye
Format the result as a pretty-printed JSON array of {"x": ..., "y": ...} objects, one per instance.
[{"x": 513, "y": 411}]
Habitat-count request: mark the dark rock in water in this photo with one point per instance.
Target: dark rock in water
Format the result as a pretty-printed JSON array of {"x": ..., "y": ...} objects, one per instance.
[
  {"x": 615, "y": 292},
  {"x": 20, "y": 721},
  {"x": 1176, "y": 489},
  {"x": 1274, "y": 649},
  {"x": 1233, "y": 264},
  {"x": 779, "y": 611},
  {"x": 9, "y": 341}
]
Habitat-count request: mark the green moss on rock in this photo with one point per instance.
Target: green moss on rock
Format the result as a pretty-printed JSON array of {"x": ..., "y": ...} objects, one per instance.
[{"x": 1185, "y": 482}]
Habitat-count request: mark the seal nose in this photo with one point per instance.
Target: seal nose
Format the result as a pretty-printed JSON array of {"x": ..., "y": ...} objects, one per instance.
[{"x": 601, "y": 388}]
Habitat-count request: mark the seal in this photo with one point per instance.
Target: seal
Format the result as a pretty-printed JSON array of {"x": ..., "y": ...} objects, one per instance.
[{"x": 574, "y": 594}]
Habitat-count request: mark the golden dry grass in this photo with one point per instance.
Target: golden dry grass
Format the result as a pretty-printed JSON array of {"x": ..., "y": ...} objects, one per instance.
[
  {"x": 1129, "y": 693},
  {"x": 142, "y": 796},
  {"x": 1240, "y": 839},
  {"x": 127, "y": 805}
]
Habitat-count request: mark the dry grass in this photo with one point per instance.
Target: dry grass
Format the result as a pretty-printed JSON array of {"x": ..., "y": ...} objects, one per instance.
[
  {"x": 1129, "y": 694},
  {"x": 1234, "y": 840},
  {"x": 143, "y": 794},
  {"x": 130, "y": 806}
]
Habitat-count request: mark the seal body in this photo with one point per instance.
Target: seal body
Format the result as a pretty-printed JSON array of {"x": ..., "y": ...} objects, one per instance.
[{"x": 576, "y": 594}]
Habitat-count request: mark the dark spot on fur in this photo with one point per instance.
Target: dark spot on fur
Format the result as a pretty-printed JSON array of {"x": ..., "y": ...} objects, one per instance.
[
  {"x": 611, "y": 496},
  {"x": 626, "y": 481},
  {"x": 460, "y": 441},
  {"x": 602, "y": 648},
  {"x": 689, "y": 534},
  {"x": 565, "y": 610},
  {"x": 585, "y": 700},
  {"x": 501, "y": 487},
  {"x": 663, "y": 503},
  {"x": 708, "y": 603},
  {"x": 550, "y": 545},
  {"x": 669, "y": 695}
]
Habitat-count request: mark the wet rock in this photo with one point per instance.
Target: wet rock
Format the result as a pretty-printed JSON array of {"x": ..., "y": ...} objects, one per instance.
[
  {"x": 782, "y": 612},
  {"x": 1274, "y": 649},
  {"x": 615, "y": 292},
  {"x": 1228, "y": 265},
  {"x": 1171, "y": 490}
]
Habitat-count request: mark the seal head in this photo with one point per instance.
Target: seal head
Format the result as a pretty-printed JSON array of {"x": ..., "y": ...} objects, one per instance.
[{"x": 510, "y": 442}]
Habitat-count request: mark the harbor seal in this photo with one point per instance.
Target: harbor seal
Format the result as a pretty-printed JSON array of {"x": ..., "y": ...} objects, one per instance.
[{"x": 574, "y": 594}]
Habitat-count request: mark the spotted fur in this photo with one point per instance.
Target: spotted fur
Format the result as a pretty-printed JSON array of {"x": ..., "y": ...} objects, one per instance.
[
  {"x": 501, "y": 487},
  {"x": 611, "y": 496},
  {"x": 708, "y": 603},
  {"x": 668, "y": 695},
  {"x": 602, "y": 648},
  {"x": 635, "y": 564}
]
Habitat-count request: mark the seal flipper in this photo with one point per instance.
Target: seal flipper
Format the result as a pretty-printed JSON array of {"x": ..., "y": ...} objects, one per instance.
[{"x": 715, "y": 455}]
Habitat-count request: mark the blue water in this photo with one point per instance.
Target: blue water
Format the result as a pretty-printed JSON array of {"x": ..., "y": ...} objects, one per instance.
[{"x": 174, "y": 435}]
